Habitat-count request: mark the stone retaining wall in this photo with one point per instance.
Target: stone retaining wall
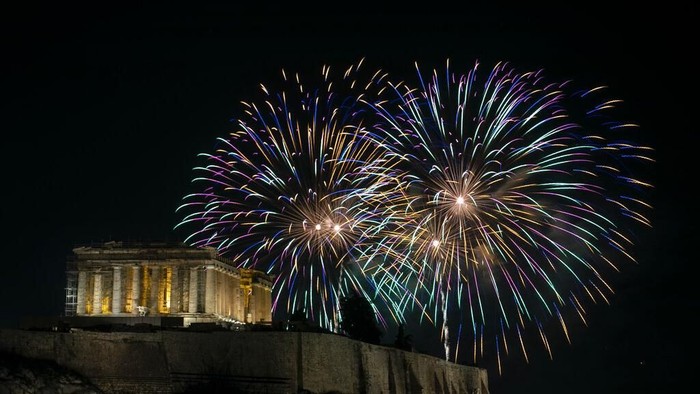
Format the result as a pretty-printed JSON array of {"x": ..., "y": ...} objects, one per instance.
[{"x": 244, "y": 361}]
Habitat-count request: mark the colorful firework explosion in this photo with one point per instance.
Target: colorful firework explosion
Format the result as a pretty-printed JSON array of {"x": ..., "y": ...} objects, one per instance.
[
  {"x": 516, "y": 195},
  {"x": 281, "y": 193},
  {"x": 489, "y": 200}
]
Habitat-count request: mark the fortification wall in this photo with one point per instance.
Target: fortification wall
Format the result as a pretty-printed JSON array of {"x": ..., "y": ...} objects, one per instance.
[{"x": 248, "y": 361}]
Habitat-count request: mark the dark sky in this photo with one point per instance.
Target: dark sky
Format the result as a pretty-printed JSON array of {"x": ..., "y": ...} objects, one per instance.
[{"x": 106, "y": 108}]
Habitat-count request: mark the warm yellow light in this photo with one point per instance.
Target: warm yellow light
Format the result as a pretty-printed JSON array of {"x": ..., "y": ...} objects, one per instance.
[
  {"x": 145, "y": 286},
  {"x": 128, "y": 287},
  {"x": 336, "y": 228},
  {"x": 436, "y": 243},
  {"x": 318, "y": 227},
  {"x": 106, "y": 304},
  {"x": 460, "y": 200},
  {"x": 164, "y": 289}
]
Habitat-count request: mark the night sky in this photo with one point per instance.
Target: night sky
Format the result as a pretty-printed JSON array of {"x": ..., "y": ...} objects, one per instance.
[{"x": 106, "y": 108}]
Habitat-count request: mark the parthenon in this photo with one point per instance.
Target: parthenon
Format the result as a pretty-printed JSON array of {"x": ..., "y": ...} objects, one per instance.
[{"x": 119, "y": 280}]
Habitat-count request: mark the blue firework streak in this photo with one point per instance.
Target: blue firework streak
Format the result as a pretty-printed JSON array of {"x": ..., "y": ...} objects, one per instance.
[
  {"x": 286, "y": 192},
  {"x": 517, "y": 197}
]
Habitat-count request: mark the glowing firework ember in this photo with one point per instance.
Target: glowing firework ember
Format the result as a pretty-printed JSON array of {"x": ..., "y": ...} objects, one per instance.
[
  {"x": 516, "y": 195},
  {"x": 280, "y": 194}
]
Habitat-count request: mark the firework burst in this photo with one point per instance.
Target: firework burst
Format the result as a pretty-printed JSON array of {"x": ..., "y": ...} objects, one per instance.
[
  {"x": 286, "y": 192},
  {"x": 517, "y": 199},
  {"x": 489, "y": 201}
]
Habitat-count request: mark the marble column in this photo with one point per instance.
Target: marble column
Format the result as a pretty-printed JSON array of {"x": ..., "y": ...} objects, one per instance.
[
  {"x": 117, "y": 290},
  {"x": 220, "y": 292},
  {"x": 237, "y": 299},
  {"x": 175, "y": 291},
  {"x": 194, "y": 294},
  {"x": 228, "y": 295},
  {"x": 97, "y": 295},
  {"x": 153, "y": 306},
  {"x": 82, "y": 288},
  {"x": 255, "y": 303},
  {"x": 210, "y": 290},
  {"x": 135, "y": 289}
]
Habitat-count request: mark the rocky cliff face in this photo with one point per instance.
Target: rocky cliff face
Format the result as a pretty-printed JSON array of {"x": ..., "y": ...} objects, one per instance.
[{"x": 27, "y": 376}]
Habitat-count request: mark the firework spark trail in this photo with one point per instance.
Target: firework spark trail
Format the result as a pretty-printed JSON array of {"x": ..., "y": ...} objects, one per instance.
[
  {"x": 287, "y": 192},
  {"x": 498, "y": 195},
  {"x": 514, "y": 198}
]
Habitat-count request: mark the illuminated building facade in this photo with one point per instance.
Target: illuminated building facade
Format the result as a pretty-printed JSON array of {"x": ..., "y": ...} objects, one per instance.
[{"x": 137, "y": 280}]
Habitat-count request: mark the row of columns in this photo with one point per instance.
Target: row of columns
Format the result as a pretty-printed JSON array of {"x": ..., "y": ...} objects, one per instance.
[
  {"x": 173, "y": 295},
  {"x": 221, "y": 292}
]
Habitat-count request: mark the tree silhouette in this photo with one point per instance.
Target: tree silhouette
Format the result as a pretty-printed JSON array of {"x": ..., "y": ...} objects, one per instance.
[
  {"x": 358, "y": 319},
  {"x": 298, "y": 315},
  {"x": 298, "y": 321},
  {"x": 403, "y": 341}
]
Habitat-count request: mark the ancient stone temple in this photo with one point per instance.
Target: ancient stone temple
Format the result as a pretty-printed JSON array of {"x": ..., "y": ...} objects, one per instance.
[{"x": 159, "y": 280}]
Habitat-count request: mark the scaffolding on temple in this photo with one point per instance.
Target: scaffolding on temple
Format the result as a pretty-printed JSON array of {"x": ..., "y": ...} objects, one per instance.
[{"x": 71, "y": 307}]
